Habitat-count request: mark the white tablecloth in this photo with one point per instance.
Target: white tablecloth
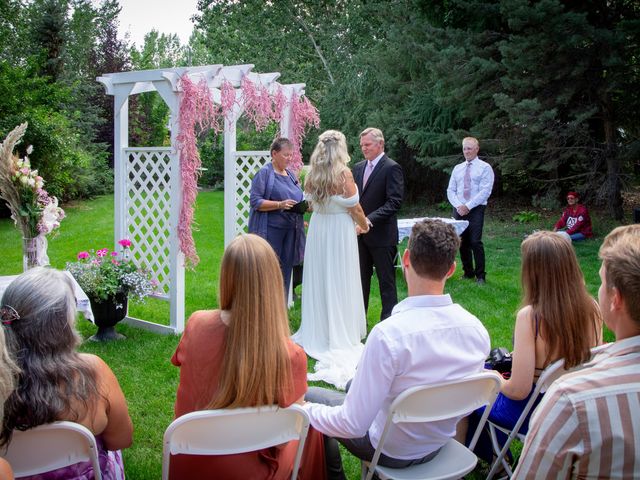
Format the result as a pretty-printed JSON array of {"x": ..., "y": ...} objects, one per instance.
[
  {"x": 82, "y": 300},
  {"x": 406, "y": 224}
]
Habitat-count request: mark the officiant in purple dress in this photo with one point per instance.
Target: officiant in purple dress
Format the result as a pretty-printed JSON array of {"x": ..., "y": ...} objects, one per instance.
[{"x": 274, "y": 214}]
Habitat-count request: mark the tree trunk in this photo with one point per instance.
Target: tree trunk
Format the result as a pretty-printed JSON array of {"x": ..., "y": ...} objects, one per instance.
[{"x": 613, "y": 183}]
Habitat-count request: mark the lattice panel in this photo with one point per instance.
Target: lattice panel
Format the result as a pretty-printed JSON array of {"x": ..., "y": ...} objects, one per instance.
[
  {"x": 148, "y": 211},
  {"x": 247, "y": 165}
]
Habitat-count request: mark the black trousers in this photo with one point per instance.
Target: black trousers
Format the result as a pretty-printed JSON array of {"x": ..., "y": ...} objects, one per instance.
[
  {"x": 383, "y": 259},
  {"x": 471, "y": 247}
]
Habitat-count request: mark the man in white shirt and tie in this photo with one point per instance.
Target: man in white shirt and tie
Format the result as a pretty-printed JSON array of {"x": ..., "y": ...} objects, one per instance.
[
  {"x": 469, "y": 189},
  {"x": 428, "y": 339}
]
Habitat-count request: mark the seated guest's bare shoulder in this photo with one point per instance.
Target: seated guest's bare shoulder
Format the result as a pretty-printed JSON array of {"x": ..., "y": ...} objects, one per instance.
[
  {"x": 206, "y": 319},
  {"x": 5, "y": 470}
]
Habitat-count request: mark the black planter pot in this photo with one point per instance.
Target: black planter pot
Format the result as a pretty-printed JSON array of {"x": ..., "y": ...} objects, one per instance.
[{"x": 107, "y": 314}]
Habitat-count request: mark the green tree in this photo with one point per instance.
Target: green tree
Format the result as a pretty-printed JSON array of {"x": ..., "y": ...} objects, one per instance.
[
  {"x": 47, "y": 80},
  {"x": 109, "y": 55},
  {"x": 69, "y": 169},
  {"x": 313, "y": 42},
  {"x": 549, "y": 87},
  {"x": 49, "y": 31},
  {"x": 148, "y": 112},
  {"x": 548, "y": 84},
  {"x": 10, "y": 18}
]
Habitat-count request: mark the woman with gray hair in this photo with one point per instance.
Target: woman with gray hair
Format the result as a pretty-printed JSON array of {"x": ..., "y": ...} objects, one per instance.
[
  {"x": 277, "y": 209},
  {"x": 56, "y": 382},
  {"x": 333, "y": 316},
  {"x": 8, "y": 373}
]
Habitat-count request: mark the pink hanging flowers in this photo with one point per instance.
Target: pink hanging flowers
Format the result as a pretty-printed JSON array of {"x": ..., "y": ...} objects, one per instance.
[
  {"x": 227, "y": 98},
  {"x": 279, "y": 104},
  {"x": 257, "y": 103},
  {"x": 198, "y": 112},
  {"x": 303, "y": 114}
]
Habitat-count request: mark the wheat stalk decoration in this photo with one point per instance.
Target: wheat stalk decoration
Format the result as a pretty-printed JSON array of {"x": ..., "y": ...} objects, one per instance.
[{"x": 8, "y": 190}]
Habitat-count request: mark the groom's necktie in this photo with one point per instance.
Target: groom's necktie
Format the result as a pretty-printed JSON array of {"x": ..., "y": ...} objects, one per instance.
[
  {"x": 467, "y": 182},
  {"x": 367, "y": 173}
]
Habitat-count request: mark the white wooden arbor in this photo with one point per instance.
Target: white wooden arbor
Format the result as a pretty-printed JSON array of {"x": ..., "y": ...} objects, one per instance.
[{"x": 148, "y": 189}]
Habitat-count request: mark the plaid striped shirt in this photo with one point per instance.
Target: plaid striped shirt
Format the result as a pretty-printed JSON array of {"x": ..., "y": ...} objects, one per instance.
[{"x": 588, "y": 423}]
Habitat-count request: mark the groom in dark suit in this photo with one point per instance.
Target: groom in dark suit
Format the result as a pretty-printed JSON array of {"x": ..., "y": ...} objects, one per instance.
[{"x": 380, "y": 182}]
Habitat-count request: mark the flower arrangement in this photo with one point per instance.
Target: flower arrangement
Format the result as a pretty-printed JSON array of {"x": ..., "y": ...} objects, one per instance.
[
  {"x": 103, "y": 274},
  {"x": 198, "y": 112},
  {"x": 32, "y": 209}
]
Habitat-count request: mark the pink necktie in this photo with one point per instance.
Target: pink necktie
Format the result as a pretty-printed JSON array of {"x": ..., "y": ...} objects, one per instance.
[
  {"x": 367, "y": 173},
  {"x": 467, "y": 182}
]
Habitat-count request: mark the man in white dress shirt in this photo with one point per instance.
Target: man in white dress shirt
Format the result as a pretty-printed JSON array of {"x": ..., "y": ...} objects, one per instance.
[
  {"x": 428, "y": 339},
  {"x": 469, "y": 189}
]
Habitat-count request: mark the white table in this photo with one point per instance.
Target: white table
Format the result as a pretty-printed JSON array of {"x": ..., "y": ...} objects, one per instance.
[
  {"x": 82, "y": 301},
  {"x": 406, "y": 224}
]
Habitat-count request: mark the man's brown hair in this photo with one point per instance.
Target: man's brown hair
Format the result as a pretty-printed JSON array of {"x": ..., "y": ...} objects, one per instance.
[
  {"x": 620, "y": 255},
  {"x": 432, "y": 248}
]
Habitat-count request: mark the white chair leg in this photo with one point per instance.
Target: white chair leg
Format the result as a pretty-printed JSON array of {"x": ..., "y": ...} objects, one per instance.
[
  {"x": 364, "y": 469},
  {"x": 500, "y": 455}
]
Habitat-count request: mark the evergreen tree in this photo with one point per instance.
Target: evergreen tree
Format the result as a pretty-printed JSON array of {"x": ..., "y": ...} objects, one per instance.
[
  {"x": 49, "y": 29},
  {"x": 110, "y": 55}
]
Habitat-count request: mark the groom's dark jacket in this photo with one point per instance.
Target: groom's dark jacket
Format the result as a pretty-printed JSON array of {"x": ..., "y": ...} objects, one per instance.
[{"x": 381, "y": 199}]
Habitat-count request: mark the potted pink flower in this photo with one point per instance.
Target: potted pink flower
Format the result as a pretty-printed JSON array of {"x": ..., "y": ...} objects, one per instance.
[{"x": 109, "y": 278}]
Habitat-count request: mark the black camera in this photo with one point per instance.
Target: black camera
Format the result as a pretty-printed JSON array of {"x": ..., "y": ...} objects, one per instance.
[{"x": 499, "y": 359}]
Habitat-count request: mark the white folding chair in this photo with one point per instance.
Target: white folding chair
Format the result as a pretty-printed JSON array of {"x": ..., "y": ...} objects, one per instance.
[
  {"x": 431, "y": 403},
  {"x": 550, "y": 374},
  {"x": 238, "y": 430},
  {"x": 51, "y": 446}
]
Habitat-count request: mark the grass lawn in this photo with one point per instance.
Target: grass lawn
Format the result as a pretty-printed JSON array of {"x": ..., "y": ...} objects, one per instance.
[{"x": 141, "y": 362}]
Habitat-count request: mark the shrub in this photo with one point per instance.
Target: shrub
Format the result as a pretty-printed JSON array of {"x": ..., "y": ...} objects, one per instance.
[{"x": 526, "y": 216}]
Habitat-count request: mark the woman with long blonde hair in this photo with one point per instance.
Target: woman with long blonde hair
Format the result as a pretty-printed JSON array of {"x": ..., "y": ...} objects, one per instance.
[
  {"x": 241, "y": 356},
  {"x": 333, "y": 315},
  {"x": 558, "y": 319}
]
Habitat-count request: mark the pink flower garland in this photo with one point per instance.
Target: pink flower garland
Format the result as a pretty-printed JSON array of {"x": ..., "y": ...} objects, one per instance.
[
  {"x": 279, "y": 105},
  {"x": 303, "y": 113},
  {"x": 198, "y": 112},
  {"x": 227, "y": 98},
  {"x": 257, "y": 103}
]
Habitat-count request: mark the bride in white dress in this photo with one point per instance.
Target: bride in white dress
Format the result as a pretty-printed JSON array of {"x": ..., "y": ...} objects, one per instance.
[{"x": 333, "y": 315}]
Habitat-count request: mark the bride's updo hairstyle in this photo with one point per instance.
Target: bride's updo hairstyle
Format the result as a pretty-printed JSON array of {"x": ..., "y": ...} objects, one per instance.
[{"x": 328, "y": 163}]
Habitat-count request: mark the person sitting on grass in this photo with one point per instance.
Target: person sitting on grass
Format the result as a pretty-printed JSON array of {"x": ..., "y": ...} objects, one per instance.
[
  {"x": 56, "y": 382},
  {"x": 427, "y": 339},
  {"x": 558, "y": 319},
  {"x": 241, "y": 356},
  {"x": 575, "y": 221}
]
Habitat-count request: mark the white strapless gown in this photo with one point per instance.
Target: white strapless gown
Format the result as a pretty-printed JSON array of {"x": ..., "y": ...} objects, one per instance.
[{"x": 333, "y": 316}]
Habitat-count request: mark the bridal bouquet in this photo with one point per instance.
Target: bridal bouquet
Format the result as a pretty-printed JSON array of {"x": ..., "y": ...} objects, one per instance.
[{"x": 34, "y": 212}]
